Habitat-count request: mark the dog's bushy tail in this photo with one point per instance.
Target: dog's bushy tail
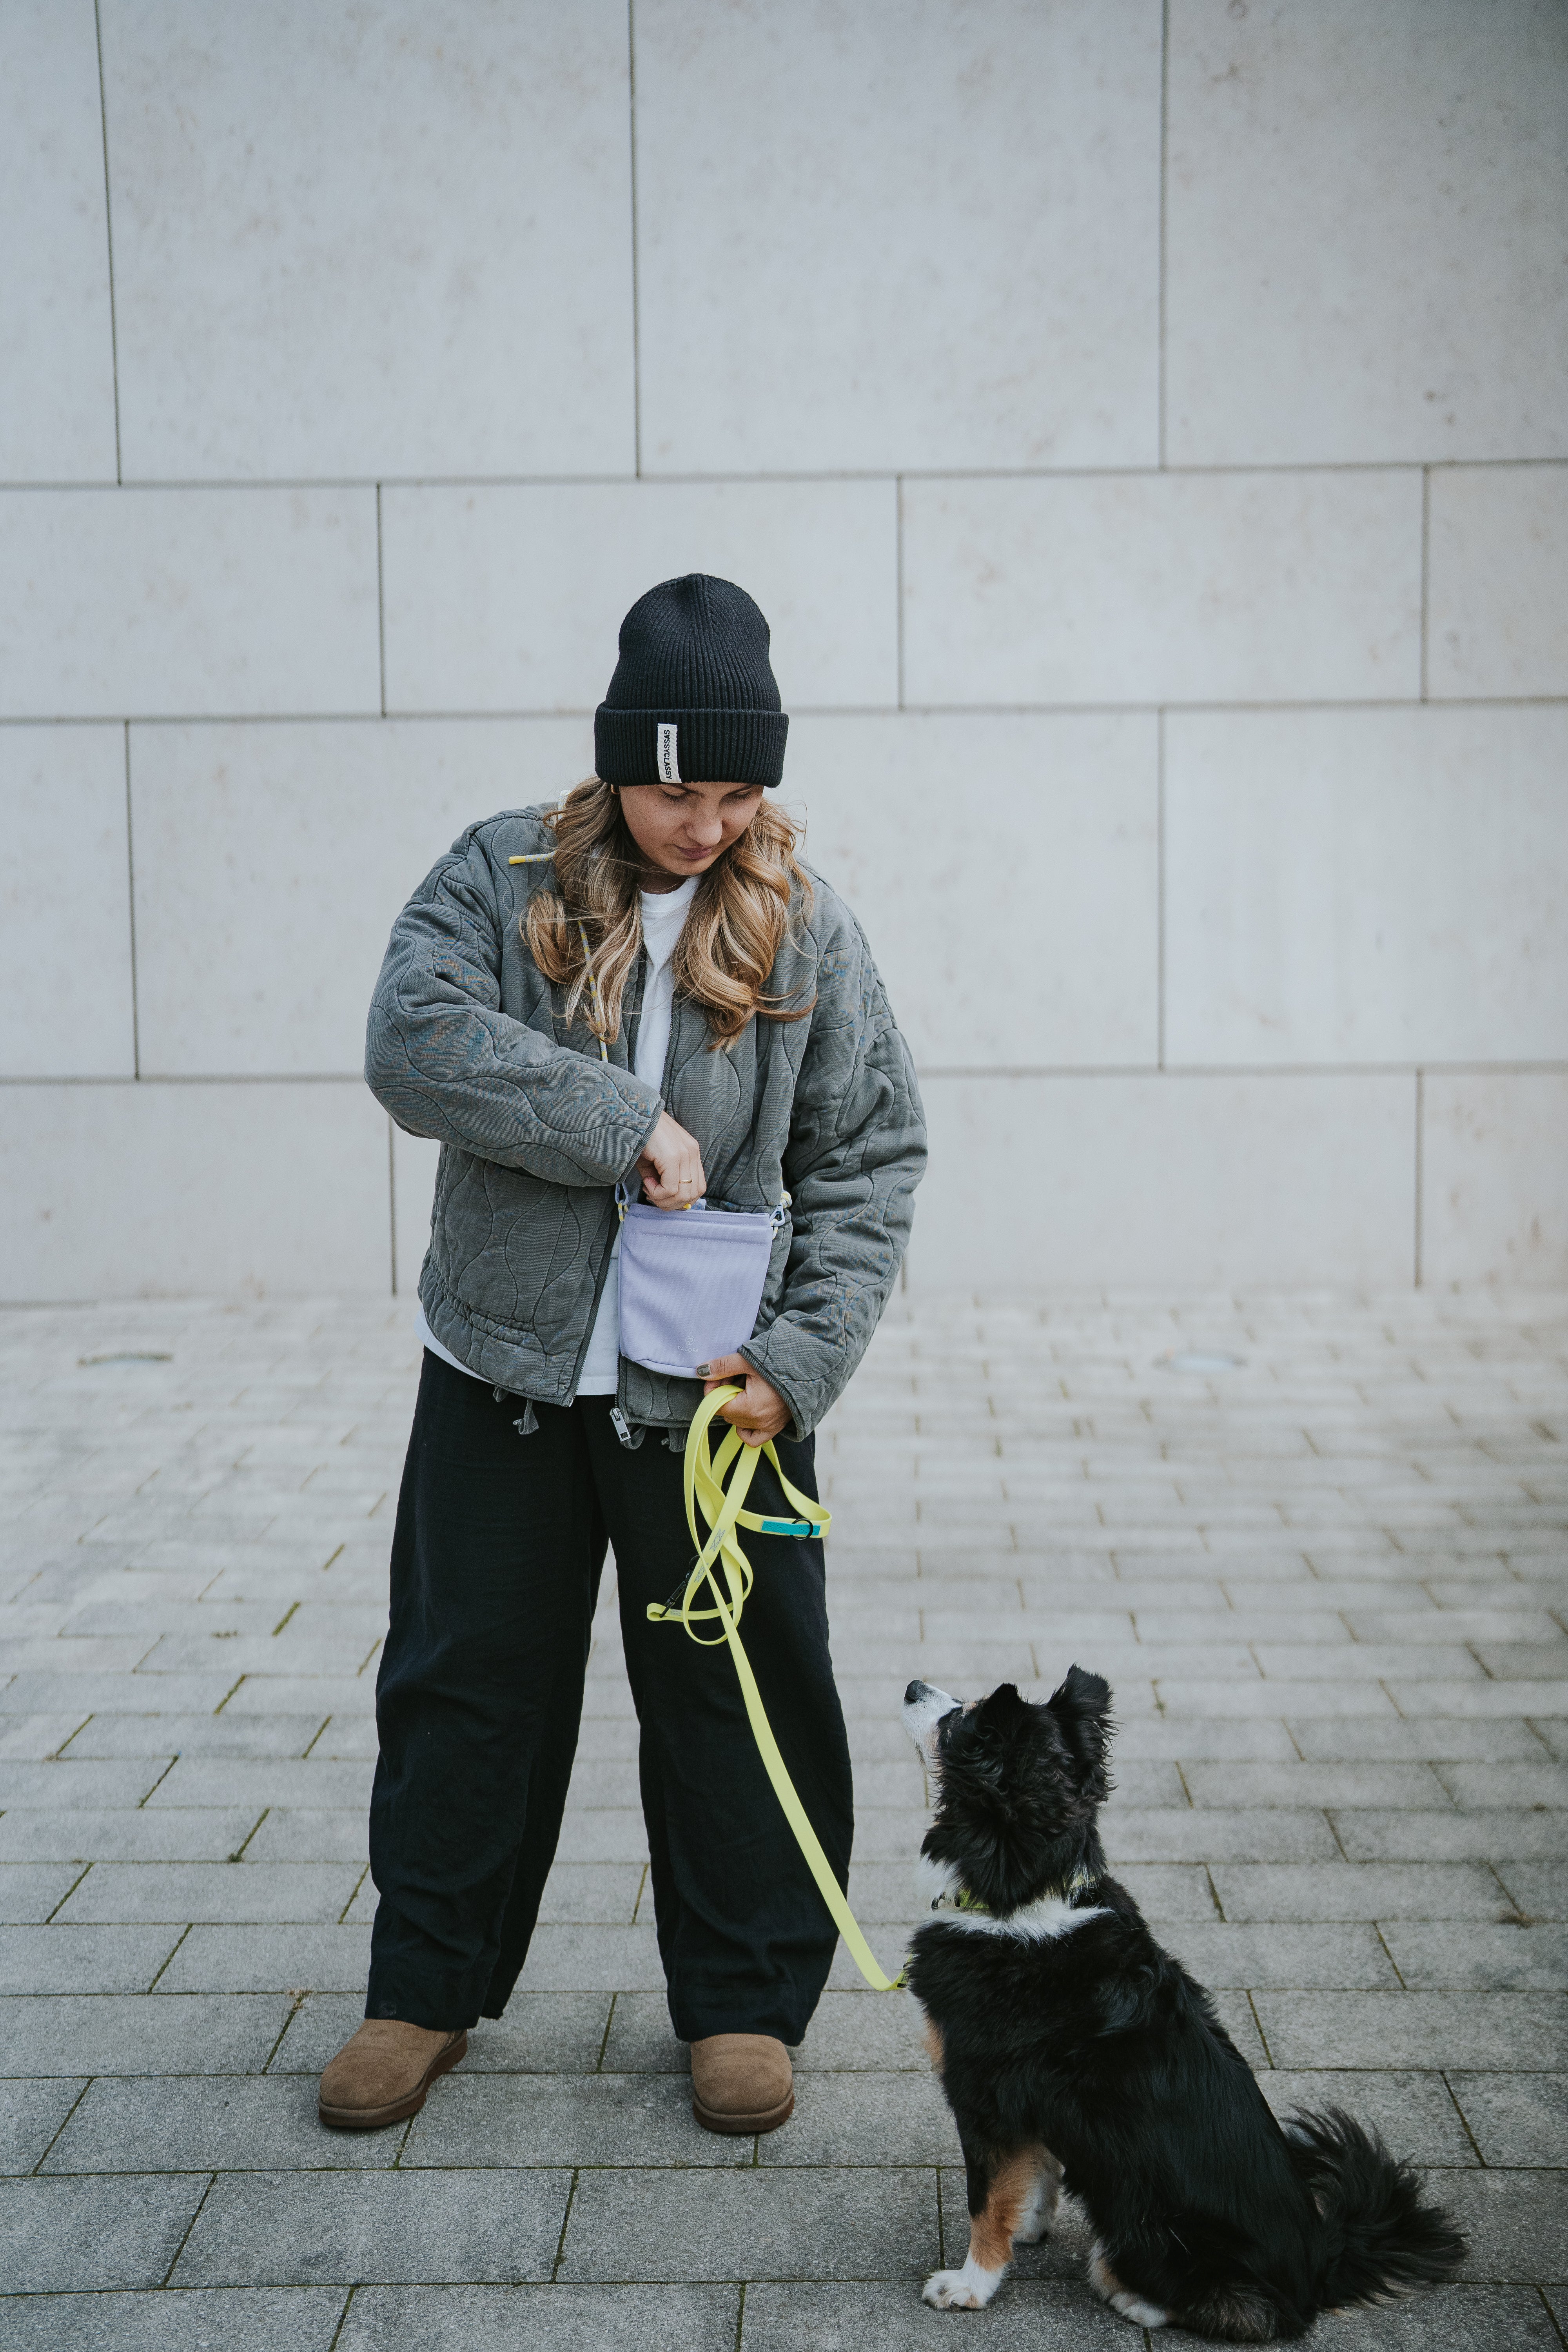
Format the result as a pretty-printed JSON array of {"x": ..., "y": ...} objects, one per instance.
[{"x": 1380, "y": 2240}]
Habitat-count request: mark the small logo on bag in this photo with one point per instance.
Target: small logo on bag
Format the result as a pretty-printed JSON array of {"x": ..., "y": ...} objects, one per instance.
[{"x": 669, "y": 766}]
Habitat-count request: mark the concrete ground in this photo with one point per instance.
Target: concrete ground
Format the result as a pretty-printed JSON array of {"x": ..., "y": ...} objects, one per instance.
[{"x": 1327, "y": 1581}]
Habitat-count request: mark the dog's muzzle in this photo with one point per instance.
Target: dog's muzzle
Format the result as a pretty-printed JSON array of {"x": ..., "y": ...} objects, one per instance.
[{"x": 924, "y": 1708}]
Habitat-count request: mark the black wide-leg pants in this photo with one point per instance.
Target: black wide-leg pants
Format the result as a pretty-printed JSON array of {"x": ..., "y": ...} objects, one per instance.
[{"x": 500, "y": 1540}]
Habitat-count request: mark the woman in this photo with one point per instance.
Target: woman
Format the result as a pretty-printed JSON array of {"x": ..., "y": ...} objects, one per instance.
[{"x": 642, "y": 985}]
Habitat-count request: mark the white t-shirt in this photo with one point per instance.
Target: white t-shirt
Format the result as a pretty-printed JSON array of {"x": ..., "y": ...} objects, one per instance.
[{"x": 663, "y": 914}]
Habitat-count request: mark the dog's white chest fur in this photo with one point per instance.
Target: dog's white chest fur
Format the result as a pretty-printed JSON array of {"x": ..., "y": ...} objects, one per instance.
[{"x": 1035, "y": 1923}]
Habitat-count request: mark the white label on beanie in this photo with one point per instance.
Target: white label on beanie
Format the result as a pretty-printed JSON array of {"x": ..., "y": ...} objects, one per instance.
[{"x": 669, "y": 766}]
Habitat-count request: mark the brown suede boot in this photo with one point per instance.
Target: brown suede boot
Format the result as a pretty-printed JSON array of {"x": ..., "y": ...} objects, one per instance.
[
  {"x": 743, "y": 2082},
  {"x": 384, "y": 2072}
]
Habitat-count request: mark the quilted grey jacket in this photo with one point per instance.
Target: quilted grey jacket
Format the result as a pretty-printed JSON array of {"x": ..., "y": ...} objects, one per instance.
[{"x": 467, "y": 1043}]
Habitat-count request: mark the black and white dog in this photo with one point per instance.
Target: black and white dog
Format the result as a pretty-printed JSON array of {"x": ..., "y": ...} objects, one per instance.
[{"x": 1075, "y": 2052}]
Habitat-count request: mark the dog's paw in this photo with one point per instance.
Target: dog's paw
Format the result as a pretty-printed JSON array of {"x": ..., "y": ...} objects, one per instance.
[
  {"x": 1141, "y": 2313},
  {"x": 970, "y": 2289},
  {"x": 1110, "y": 2289}
]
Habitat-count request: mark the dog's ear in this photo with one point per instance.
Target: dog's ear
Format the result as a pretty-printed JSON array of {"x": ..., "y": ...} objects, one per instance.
[
  {"x": 1003, "y": 1709},
  {"x": 1081, "y": 1705}
]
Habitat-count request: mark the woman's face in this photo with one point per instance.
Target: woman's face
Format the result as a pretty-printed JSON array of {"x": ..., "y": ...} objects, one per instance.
[{"x": 681, "y": 829}]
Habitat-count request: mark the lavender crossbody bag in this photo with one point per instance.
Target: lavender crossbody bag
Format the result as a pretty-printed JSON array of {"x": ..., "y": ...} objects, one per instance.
[{"x": 691, "y": 1283}]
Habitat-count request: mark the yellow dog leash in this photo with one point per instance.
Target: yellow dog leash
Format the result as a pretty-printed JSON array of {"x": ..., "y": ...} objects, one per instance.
[{"x": 709, "y": 1498}]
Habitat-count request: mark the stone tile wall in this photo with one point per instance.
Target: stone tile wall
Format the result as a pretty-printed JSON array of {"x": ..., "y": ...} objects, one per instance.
[{"x": 1146, "y": 430}]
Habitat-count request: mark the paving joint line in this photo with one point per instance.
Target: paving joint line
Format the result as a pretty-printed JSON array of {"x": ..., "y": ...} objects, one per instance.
[{"x": 189, "y": 2225}]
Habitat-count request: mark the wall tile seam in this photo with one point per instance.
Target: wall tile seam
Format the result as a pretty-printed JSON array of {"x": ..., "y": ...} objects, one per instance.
[
  {"x": 145, "y": 1079},
  {"x": 512, "y": 713},
  {"x": 620, "y": 480},
  {"x": 109, "y": 237},
  {"x": 943, "y": 1070},
  {"x": 1469, "y": 1068}
]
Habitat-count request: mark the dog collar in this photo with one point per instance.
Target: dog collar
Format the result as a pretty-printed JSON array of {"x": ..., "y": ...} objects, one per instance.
[{"x": 959, "y": 1898}]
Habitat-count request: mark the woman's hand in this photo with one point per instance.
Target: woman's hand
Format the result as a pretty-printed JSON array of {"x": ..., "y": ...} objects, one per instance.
[
  {"x": 759, "y": 1413},
  {"x": 671, "y": 1166}
]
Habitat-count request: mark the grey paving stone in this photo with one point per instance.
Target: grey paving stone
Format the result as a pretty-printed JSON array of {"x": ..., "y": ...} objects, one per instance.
[
  {"x": 316, "y": 2032},
  {"x": 346, "y": 1737},
  {"x": 195, "y": 1735},
  {"x": 1464, "y": 1952},
  {"x": 30, "y": 2114},
  {"x": 883, "y": 1892},
  {"x": 82, "y": 1959},
  {"x": 1453, "y": 2319},
  {"x": 1144, "y": 1783},
  {"x": 35, "y": 1738},
  {"x": 139, "y": 2033},
  {"x": 1523, "y": 1782},
  {"x": 54, "y": 1786},
  {"x": 1264, "y": 1833},
  {"x": 1190, "y": 1696},
  {"x": 588, "y": 1959},
  {"x": 92, "y": 1834},
  {"x": 641, "y": 2039},
  {"x": 1540, "y": 1888},
  {"x": 550, "y": 2318},
  {"x": 1189, "y": 1739},
  {"x": 1344, "y": 1890},
  {"x": 865, "y": 2119},
  {"x": 1516, "y": 2221},
  {"x": 1535, "y": 1700},
  {"x": 598, "y": 2119},
  {"x": 57, "y": 2234},
  {"x": 856, "y": 2028},
  {"x": 234, "y": 2124},
  {"x": 1306, "y": 1955},
  {"x": 1413, "y": 2111},
  {"x": 1437, "y": 1738},
  {"x": 323, "y": 1834},
  {"x": 890, "y": 1834},
  {"x": 541, "y": 2033},
  {"x": 220, "y": 2319},
  {"x": 30, "y": 1891},
  {"x": 270, "y": 1781},
  {"x": 1523, "y": 1660},
  {"x": 1169, "y": 1890},
  {"x": 1337, "y": 1784},
  {"x": 1516, "y": 2119},
  {"x": 1029, "y": 2315},
  {"x": 321, "y": 1695},
  {"x": 263, "y": 2229},
  {"x": 1496, "y": 1836},
  {"x": 603, "y": 1833},
  {"x": 213, "y": 1891},
  {"x": 593, "y": 1893},
  {"x": 1523, "y": 2031},
  {"x": 599, "y": 1781},
  {"x": 1235, "y": 2013},
  {"x": 776, "y": 2222},
  {"x": 270, "y": 1960}
]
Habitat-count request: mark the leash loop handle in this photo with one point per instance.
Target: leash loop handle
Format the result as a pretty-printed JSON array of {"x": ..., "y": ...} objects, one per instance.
[{"x": 720, "y": 1553}]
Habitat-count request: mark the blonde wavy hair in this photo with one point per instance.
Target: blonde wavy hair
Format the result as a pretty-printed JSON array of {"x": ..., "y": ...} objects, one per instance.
[{"x": 729, "y": 942}]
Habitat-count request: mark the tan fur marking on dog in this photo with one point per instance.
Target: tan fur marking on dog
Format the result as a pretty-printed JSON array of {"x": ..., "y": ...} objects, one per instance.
[
  {"x": 991, "y": 2230},
  {"x": 931, "y": 2034}
]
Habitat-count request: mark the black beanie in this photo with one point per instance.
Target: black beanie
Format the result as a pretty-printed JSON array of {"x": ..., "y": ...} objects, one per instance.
[{"x": 693, "y": 699}]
